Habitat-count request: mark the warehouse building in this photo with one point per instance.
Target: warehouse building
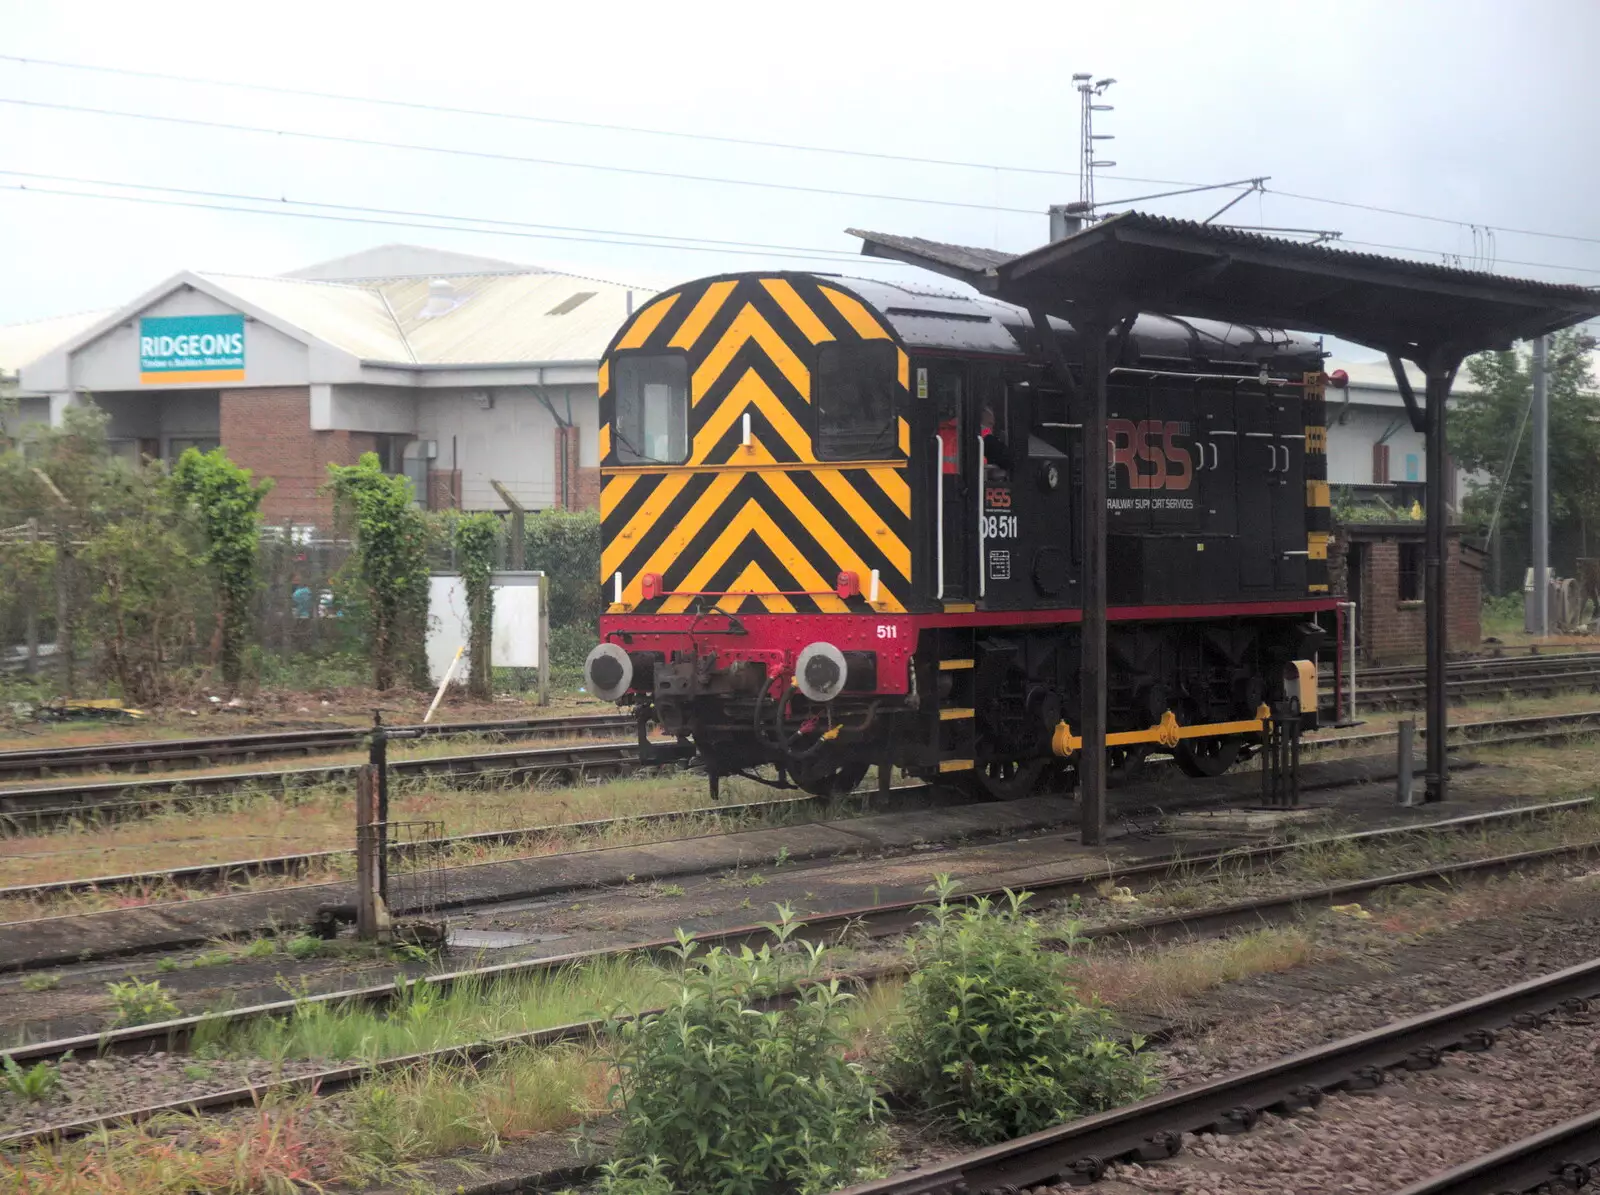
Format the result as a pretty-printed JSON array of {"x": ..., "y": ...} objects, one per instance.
[{"x": 474, "y": 377}]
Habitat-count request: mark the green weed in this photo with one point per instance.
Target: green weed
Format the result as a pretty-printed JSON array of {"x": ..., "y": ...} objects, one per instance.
[
  {"x": 305, "y": 946},
  {"x": 995, "y": 1036},
  {"x": 425, "y": 1018},
  {"x": 139, "y": 1003},
  {"x": 33, "y": 1084},
  {"x": 41, "y": 983},
  {"x": 719, "y": 1093}
]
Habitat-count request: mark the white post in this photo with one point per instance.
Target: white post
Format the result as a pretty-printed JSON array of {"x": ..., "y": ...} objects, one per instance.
[{"x": 448, "y": 673}]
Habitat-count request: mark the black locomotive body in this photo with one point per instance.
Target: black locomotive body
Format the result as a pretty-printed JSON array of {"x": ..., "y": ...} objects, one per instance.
[{"x": 841, "y": 524}]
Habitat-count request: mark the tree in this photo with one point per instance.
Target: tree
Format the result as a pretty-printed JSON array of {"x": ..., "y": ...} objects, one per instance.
[
  {"x": 391, "y": 565},
  {"x": 228, "y": 504},
  {"x": 1484, "y": 438}
]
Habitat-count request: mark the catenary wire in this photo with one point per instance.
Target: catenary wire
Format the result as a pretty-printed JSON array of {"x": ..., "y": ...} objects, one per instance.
[
  {"x": 532, "y": 118},
  {"x": 285, "y": 201},
  {"x": 491, "y": 155},
  {"x": 1393, "y": 211},
  {"x": 1499, "y": 261},
  {"x": 154, "y": 201},
  {"x": 447, "y": 109},
  {"x": 443, "y": 222},
  {"x": 609, "y": 235}
]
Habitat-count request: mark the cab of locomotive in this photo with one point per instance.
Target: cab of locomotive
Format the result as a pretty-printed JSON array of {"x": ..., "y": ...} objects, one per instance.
[{"x": 755, "y": 507}]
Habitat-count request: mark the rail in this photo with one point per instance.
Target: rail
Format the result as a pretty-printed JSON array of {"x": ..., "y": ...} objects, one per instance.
[
  {"x": 1078, "y": 1150},
  {"x": 1082, "y": 1150}
]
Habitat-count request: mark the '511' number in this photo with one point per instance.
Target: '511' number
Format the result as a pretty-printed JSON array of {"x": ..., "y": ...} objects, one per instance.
[{"x": 1000, "y": 526}]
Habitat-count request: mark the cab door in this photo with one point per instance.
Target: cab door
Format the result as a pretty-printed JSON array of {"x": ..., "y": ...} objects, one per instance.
[{"x": 945, "y": 385}]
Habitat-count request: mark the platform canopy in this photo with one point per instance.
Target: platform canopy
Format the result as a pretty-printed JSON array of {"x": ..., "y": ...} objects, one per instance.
[
  {"x": 1137, "y": 262},
  {"x": 1108, "y": 272}
]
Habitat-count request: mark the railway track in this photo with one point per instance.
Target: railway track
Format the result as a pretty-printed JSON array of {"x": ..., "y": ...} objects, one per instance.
[
  {"x": 44, "y": 762},
  {"x": 876, "y": 921},
  {"x": 897, "y": 917},
  {"x": 1531, "y": 728},
  {"x": 41, "y": 807},
  {"x": 1082, "y": 1150},
  {"x": 38, "y": 808},
  {"x": 1563, "y": 1158},
  {"x": 1398, "y": 687},
  {"x": 222, "y": 875}
]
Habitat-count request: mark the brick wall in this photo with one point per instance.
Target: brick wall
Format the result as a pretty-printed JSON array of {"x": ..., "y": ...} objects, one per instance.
[
  {"x": 1392, "y": 630},
  {"x": 583, "y": 483},
  {"x": 269, "y": 431}
]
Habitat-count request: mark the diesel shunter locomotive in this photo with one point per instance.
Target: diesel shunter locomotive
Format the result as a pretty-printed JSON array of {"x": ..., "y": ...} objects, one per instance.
[{"x": 841, "y": 528}]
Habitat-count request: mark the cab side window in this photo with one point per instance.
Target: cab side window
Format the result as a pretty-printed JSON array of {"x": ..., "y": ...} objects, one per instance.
[
  {"x": 854, "y": 399},
  {"x": 652, "y": 417}
]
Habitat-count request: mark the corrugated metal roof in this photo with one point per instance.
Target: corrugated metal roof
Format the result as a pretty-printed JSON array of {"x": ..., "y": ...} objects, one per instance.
[
  {"x": 404, "y": 261},
  {"x": 1204, "y": 270},
  {"x": 511, "y": 317},
  {"x": 346, "y": 316},
  {"x": 22, "y": 343},
  {"x": 1223, "y": 235},
  {"x": 475, "y": 319}
]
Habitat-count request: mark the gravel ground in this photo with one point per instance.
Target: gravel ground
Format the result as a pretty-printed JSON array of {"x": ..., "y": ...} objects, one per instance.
[
  {"x": 1265, "y": 1017},
  {"x": 93, "y": 1086},
  {"x": 1416, "y": 1125}
]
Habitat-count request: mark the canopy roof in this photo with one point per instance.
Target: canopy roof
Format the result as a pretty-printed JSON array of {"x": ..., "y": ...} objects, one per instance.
[{"x": 1137, "y": 262}]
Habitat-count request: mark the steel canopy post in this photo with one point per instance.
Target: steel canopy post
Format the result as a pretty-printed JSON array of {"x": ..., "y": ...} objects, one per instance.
[
  {"x": 1092, "y": 670},
  {"x": 1435, "y": 552}
]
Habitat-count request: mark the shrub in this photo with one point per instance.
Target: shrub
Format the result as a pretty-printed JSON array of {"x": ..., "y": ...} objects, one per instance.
[
  {"x": 993, "y": 1034},
  {"x": 720, "y": 1093},
  {"x": 390, "y": 567},
  {"x": 141, "y": 1003},
  {"x": 228, "y": 504},
  {"x": 566, "y": 545}
]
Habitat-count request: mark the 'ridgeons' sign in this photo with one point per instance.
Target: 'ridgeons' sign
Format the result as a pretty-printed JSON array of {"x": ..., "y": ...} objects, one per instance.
[{"x": 191, "y": 348}]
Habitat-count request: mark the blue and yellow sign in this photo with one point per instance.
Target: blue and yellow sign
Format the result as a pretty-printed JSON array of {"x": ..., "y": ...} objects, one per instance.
[{"x": 191, "y": 348}]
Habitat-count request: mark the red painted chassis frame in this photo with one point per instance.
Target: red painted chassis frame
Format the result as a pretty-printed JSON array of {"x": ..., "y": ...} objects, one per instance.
[{"x": 776, "y": 639}]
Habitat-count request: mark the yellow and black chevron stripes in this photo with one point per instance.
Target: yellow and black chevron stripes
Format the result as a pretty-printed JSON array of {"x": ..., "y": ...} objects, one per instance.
[
  {"x": 754, "y": 521},
  {"x": 1319, "y": 517}
]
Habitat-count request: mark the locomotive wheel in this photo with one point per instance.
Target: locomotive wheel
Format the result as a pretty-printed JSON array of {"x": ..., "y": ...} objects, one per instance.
[
  {"x": 1007, "y": 779},
  {"x": 830, "y": 782},
  {"x": 1124, "y": 765},
  {"x": 1204, "y": 758}
]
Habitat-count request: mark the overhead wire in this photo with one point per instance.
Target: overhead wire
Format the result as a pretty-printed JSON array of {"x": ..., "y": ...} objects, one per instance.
[
  {"x": 534, "y": 118},
  {"x": 159, "y": 201},
  {"x": 753, "y": 142},
  {"x": 492, "y": 155},
  {"x": 284, "y": 200}
]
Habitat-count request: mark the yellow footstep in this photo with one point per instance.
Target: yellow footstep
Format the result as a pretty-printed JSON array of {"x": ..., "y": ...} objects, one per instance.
[
  {"x": 1123, "y": 896},
  {"x": 1355, "y": 911}
]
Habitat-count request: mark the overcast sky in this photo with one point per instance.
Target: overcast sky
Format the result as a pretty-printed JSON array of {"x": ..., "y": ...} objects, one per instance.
[{"x": 1476, "y": 112}]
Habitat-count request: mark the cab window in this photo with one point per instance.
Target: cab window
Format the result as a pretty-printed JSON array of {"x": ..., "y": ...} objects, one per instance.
[
  {"x": 854, "y": 398},
  {"x": 652, "y": 421},
  {"x": 1050, "y": 435}
]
